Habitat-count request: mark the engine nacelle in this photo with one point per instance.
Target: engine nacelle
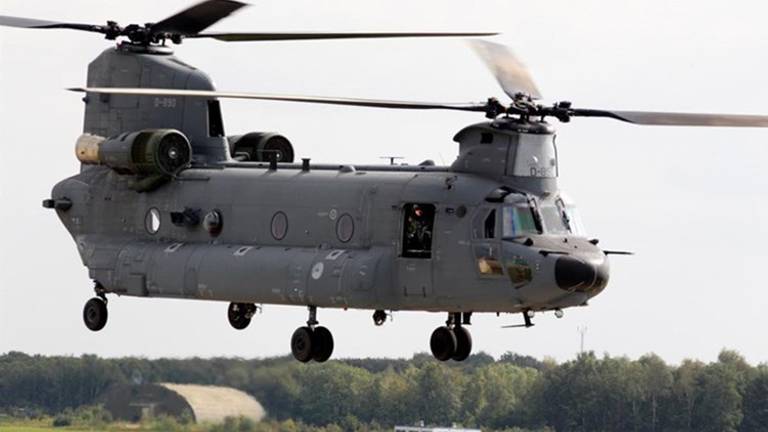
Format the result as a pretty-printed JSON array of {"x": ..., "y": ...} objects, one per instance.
[
  {"x": 259, "y": 146},
  {"x": 146, "y": 153}
]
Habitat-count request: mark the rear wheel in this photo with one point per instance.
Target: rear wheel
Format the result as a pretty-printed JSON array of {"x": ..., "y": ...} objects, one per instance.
[
  {"x": 443, "y": 343},
  {"x": 240, "y": 314},
  {"x": 95, "y": 314}
]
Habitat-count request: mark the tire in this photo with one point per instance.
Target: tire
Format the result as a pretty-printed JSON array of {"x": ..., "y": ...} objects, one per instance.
[
  {"x": 236, "y": 313},
  {"x": 443, "y": 343},
  {"x": 301, "y": 344},
  {"x": 95, "y": 314},
  {"x": 463, "y": 343},
  {"x": 322, "y": 344}
]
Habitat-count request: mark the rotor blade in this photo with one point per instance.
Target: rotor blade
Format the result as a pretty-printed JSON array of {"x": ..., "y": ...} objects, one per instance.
[
  {"x": 197, "y": 18},
  {"x": 509, "y": 71},
  {"x": 677, "y": 119},
  {"x": 372, "y": 103},
  {"x": 245, "y": 37},
  {"x": 19, "y": 22}
]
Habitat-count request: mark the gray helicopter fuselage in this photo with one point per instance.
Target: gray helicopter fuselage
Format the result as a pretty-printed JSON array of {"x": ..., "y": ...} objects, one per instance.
[
  {"x": 306, "y": 260},
  {"x": 465, "y": 238}
]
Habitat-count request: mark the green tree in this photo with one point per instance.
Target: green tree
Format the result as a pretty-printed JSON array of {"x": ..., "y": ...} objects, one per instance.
[{"x": 756, "y": 402}]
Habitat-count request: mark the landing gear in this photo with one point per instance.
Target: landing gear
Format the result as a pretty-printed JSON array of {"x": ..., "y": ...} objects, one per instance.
[
  {"x": 452, "y": 341},
  {"x": 443, "y": 343},
  {"x": 463, "y": 343},
  {"x": 312, "y": 342},
  {"x": 322, "y": 344},
  {"x": 379, "y": 316},
  {"x": 95, "y": 313},
  {"x": 240, "y": 314},
  {"x": 95, "y": 310}
]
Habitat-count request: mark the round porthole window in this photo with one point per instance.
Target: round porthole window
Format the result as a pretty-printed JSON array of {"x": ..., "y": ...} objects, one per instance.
[
  {"x": 152, "y": 221},
  {"x": 213, "y": 223},
  {"x": 345, "y": 228},
  {"x": 279, "y": 225}
]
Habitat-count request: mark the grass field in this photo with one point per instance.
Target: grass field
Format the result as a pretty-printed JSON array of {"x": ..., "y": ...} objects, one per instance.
[
  {"x": 40, "y": 428},
  {"x": 45, "y": 426}
]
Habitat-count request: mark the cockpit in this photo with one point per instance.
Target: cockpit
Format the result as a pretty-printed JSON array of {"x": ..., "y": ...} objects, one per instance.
[
  {"x": 523, "y": 215},
  {"x": 524, "y": 237}
]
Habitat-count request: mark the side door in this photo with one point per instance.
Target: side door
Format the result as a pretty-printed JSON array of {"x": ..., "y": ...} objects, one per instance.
[{"x": 415, "y": 257}]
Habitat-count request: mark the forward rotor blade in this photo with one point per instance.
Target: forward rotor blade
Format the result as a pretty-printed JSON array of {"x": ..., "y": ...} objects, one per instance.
[
  {"x": 372, "y": 103},
  {"x": 255, "y": 37},
  {"x": 197, "y": 18},
  {"x": 9, "y": 21},
  {"x": 677, "y": 119},
  {"x": 509, "y": 71}
]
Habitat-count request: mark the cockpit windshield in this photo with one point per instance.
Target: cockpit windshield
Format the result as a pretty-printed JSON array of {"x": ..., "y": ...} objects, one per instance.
[
  {"x": 518, "y": 220},
  {"x": 523, "y": 216},
  {"x": 560, "y": 218},
  {"x": 554, "y": 219}
]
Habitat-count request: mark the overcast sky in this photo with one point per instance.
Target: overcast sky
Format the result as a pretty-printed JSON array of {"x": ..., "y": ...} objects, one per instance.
[{"x": 690, "y": 202}]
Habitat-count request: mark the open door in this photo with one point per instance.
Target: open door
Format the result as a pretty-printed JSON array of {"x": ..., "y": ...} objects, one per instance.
[{"x": 415, "y": 260}]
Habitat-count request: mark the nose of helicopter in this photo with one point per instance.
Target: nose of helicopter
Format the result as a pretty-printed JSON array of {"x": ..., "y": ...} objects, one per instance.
[{"x": 580, "y": 275}]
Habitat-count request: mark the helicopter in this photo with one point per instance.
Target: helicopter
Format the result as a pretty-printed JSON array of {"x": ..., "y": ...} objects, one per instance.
[{"x": 167, "y": 206}]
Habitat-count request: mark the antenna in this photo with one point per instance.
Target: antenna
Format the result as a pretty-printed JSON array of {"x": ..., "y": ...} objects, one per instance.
[
  {"x": 391, "y": 158},
  {"x": 582, "y": 329}
]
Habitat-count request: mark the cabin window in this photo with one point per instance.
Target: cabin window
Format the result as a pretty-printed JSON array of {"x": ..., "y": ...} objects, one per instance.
[
  {"x": 152, "y": 221},
  {"x": 279, "y": 225},
  {"x": 345, "y": 228},
  {"x": 215, "y": 123},
  {"x": 418, "y": 226}
]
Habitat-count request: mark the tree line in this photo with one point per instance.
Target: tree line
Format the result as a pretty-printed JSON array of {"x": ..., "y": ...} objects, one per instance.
[{"x": 588, "y": 393}]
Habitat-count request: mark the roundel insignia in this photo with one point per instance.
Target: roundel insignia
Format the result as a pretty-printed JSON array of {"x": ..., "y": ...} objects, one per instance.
[{"x": 317, "y": 270}]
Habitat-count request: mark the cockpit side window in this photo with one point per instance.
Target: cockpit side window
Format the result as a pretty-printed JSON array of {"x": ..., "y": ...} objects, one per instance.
[
  {"x": 489, "y": 226},
  {"x": 418, "y": 226}
]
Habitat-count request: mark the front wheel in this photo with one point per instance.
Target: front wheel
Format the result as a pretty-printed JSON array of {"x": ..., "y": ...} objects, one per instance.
[
  {"x": 95, "y": 314},
  {"x": 302, "y": 344}
]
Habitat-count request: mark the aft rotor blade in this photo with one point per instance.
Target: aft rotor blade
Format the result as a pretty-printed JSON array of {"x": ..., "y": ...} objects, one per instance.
[
  {"x": 197, "y": 18},
  {"x": 255, "y": 37},
  {"x": 372, "y": 103},
  {"x": 677, "y": 119},
  {"x": 9, "y": 21},
  {"x": 509, "y": 71}
]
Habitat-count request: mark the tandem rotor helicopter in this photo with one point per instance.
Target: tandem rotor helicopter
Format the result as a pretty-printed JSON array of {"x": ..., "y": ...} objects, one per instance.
[{"x": 166, "y": 205}]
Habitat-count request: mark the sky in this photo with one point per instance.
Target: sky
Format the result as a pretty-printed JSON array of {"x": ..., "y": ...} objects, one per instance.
[{"x": 690, "y": 202}]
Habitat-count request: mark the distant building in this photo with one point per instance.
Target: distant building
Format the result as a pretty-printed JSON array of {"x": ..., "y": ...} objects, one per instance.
[{"x": 209, "y": 404}]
